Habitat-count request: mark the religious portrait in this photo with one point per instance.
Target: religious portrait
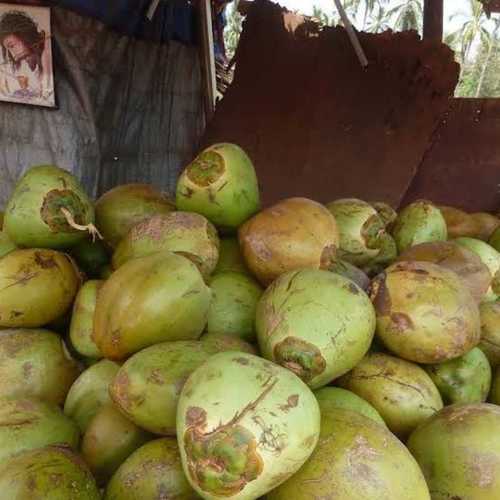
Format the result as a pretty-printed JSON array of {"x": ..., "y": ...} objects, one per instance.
[{"x": 26, "y": 67}]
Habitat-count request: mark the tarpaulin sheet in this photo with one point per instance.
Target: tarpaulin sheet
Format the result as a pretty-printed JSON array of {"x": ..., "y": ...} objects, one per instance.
[
  {"x": 173, "y": 19},
  {"x": 129, "y": 110}
]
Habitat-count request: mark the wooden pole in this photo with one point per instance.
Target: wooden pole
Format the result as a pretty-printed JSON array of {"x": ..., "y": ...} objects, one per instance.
[
  {"x": 433, "y": 20},
  {"x": 208, "y": 58}
]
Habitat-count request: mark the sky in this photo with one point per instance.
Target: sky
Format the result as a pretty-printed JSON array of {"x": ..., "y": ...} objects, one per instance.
[{"x": 306, "y": 6}]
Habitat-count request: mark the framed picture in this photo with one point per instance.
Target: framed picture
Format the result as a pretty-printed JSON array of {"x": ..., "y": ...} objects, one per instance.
[{"x": 26, "y": 68}]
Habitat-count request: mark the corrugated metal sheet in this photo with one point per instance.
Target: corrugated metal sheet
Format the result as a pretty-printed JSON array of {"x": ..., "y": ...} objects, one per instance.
[
  {"x": 462, "y": 167},
  {"x": 318, "y": 125},
  {"x": 129, "y": 110}
]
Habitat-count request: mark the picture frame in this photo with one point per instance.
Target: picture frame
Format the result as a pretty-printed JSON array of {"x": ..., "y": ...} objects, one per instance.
[{"x": 26, "y": 58}]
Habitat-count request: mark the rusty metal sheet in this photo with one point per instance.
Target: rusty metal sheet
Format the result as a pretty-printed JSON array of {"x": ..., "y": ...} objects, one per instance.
[
  {"x": 462, "y": 168},
  {"x": 315, "y": 123}
]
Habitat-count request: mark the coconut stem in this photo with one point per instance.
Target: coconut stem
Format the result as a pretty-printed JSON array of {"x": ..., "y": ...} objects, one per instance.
[{"x": 90, "y": 228}]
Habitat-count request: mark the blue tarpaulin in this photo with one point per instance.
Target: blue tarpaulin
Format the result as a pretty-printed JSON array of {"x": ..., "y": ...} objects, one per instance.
[{"x": 173, "y": 20}]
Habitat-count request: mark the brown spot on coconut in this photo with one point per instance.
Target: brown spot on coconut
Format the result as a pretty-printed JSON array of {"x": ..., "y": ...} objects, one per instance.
[{"x": 293, "y": 234}]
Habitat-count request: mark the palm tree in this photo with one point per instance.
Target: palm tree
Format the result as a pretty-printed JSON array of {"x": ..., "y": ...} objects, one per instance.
[
  {"x": 377, "y": 20},
  {"x": 408, "y": 15},
  {"x": 492, "y": 44},
  {"x": 472, "y": 29}
]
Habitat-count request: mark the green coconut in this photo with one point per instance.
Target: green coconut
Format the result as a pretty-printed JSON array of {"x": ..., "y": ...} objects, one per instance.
[
  {"x": 402, "y": 392},
  {"x": 109, "y": 440},
  {"x": 295, "y": 233},
  {"x": 458, "y": 450},
  {"x": 117, "y": 211},
  {"x": 385, "y": 212},
  {"x": 148, "y": 385},
  {"x": 351, "y": 272},
  {"x": 333, "y": 398},
  {"x": 221, "y": 342},
  {"x": 82, "y": 320},
  {"x": 316, "y": 323},
  {"x": 469, "y": 267},
  {"x": 155, "y": 468},
  {"x": 230, "y": 257},
  {"x": 490, "y": 331},
  {"x": 188, "y": 234},
  {"x": 6, "y": 244},
  {"x": 466, "y": 379},
  {"x": 220, "y": 184},
  {"x": 90, "y": 256},
  {"x": 360, "y": 228},
  {"x": 90, "y": 392},
  {"x": 494, "y": 241},
  {"x": 36, "y": 287},
  {"x": 387, "y": 255},
  {"x": 490, "y": 257},
  {"x": 425, "y": 313},
  {"x": 244, "y": 425},
  {"x": 419, "y": 222},
  {"x": 234, "y": 302},
  {"x": 27, "y": 424},
  {"x": 49, "y": 473},
  {"x": 148, "y": 300},
  {"x": 48, "y": 209},
  {"x": 35, "y": 363},
  {"x": 356, "y": 459}
]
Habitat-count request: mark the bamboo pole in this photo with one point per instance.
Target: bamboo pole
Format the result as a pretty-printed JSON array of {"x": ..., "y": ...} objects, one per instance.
[{"x": 352, "y": 35}]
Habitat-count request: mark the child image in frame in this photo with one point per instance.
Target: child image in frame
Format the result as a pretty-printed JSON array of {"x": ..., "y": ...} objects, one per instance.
[{"x": 26, "y": 73}]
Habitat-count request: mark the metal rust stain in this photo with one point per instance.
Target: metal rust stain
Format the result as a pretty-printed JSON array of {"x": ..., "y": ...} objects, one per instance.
[{"x": 461, "y": 167}]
